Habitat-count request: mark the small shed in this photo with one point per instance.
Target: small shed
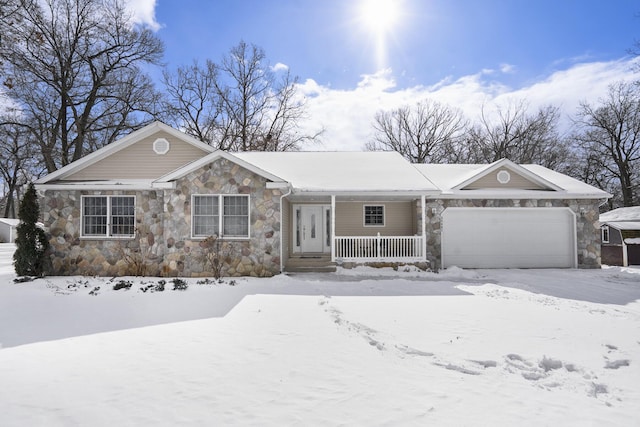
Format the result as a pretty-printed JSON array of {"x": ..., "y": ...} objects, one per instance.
[
  {"x": 621, "y": 236},
  {"x": 8, "y": 231}
]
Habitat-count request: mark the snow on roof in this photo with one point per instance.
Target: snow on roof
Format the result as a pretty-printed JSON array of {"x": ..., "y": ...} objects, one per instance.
[
  {"x": 631, "y": 213},
  {"x": 447, "y": 176},
  {"x": 366, "y": 171},
  {"x": 623, "y": 225}
]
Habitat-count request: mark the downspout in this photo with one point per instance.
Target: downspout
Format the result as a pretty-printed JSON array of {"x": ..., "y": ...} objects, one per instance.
[
  {"x": 423, "y": 204},
  {"x": 288, "y": 193}
]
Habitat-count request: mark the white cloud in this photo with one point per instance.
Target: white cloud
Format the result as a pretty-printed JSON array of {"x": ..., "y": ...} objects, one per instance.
[
  {"x": 144, "y": 12},
  {"x": 280, "y": 67},
  {"x": 347, "y": 115},
  {"x": 507, "y": 68}
]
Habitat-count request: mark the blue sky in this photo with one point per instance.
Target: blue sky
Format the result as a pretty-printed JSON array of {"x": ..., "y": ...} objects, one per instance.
[{"x": 462, "y": 52}]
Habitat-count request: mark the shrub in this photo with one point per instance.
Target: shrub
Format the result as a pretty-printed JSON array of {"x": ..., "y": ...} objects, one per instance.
[
  {"x": 122, "y": 284},
  {"x": 179, "y": 285},
  {"x": 31, "y": 241}
]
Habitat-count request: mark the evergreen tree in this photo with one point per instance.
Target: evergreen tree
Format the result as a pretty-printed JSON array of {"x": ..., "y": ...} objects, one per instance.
[{"x": 31, "y": 240}]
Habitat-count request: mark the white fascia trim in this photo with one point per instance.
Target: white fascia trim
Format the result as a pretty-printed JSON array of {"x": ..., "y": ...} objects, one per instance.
[
  {"x": 474, "y": 194},
  {"x": 390, "y": 193},
  {"x": 95, "y": 186}
]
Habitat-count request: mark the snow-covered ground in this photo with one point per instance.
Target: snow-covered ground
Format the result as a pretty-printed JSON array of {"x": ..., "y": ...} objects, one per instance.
[{"x": 363, "y": 347}]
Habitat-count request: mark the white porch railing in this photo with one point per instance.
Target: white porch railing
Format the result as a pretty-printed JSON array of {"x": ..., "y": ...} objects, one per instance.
[{"x": 379, "y": 248}]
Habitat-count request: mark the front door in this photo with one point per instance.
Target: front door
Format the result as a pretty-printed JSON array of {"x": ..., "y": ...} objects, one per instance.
[{"x": 312, "y": 232}]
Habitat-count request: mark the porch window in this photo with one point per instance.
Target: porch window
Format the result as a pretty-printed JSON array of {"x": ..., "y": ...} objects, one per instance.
[
  {"x": 605, "y": 234},
  {"x": 207, "y": 219},
  {"x": 108, "y": 216},
  {"x": 374, "y": 215}
]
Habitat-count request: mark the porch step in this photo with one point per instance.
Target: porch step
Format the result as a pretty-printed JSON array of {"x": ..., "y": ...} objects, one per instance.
[{"x": 310, "y": 265}]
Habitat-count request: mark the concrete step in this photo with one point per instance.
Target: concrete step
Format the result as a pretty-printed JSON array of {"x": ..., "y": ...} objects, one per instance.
[{"x": 310, "y": 265}]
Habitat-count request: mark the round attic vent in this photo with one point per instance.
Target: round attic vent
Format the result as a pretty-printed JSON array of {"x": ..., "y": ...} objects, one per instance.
[
  {"x": 161, "y": 146},
  {"x": 503, "y": 177}
]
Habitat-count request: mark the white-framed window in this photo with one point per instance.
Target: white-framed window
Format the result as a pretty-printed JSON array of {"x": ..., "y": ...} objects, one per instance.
[
  {"x": 108, "y": 216},
  {"x": 605, "y": 234},
  {"x": 373, "y": 215},
  {"x": 221, "y": 215}
]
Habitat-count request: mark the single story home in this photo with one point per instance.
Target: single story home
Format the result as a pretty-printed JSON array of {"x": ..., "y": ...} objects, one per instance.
[
  {"x": 162, "y": 198},
  {"x": 8, "y": 230},
  {"x": 621, "y": 236}
]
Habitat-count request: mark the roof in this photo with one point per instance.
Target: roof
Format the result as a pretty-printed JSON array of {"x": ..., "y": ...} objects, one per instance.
[
  {"x": 209, "y": 158},
  {"x": 623, "y": 225},
  {"x": 631, "y": 213},
  {"x": 451, "y": 178},
  {"x": 342, "y": 172}
]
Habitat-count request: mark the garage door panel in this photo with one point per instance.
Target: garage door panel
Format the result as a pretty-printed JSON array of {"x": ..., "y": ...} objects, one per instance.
[{"x": 508, "y": 238}]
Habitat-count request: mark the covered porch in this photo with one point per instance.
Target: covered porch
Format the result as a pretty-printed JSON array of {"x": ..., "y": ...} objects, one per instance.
[{"x": 325, "y": 231}]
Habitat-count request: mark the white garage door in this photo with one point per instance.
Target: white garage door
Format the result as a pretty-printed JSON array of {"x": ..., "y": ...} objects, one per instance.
[{"x": 508, "y": 238}]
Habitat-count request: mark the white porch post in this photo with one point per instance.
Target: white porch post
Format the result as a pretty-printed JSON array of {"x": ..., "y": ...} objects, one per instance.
[
  {"x": 333, "y": 228},
  {"x": 424, "y": 227}
]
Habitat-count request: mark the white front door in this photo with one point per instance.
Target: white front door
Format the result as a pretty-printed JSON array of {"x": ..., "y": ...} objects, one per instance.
[{"x": 312, "y": 231}]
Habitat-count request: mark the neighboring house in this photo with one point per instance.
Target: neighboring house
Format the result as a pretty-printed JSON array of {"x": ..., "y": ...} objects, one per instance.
[
  {"x": 159, "y": 193},
  {"x": 8, "y": 230},
  {"x": 621, "y": 236}
]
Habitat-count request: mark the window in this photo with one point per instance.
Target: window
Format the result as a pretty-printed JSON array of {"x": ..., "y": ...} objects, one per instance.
[
  {"x": 236, "y": 216},
  {"x": 374, "y": 215},
  {"x": 108, "y": 216},
  {"x": 206, "y": 216},
  {"x": 605, "y": 234},
  {"x": 207, "y": 220}
]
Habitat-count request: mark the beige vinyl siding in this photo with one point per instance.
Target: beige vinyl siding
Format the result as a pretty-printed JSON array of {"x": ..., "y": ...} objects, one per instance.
[
  {"x": 139, "y": 161},
  {"x": 517, "y": 181},
  {"x": 399, "y": 219}
]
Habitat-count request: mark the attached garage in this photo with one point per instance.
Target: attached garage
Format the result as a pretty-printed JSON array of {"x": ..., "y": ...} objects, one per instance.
[{"x": 509, "y": 238}]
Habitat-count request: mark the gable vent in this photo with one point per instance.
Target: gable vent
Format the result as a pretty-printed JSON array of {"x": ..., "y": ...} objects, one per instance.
[
  {"x": 503, "y": 177},
  {"x": 161, "y": 146}
]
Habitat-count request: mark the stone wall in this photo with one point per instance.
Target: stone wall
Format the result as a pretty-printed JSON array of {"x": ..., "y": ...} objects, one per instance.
[
  {"x": 163, "y": 243},
  {"x": 587, "y": 225},
  {"x": 71, "y": 255},
  {"x": 257, "y": 256}
]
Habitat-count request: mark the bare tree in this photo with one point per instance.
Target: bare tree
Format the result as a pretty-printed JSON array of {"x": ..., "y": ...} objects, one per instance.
[
  {"x": 192, "y": 101},
  {"x": 239, "y": 104},
  {"x": 73, "y": 67},
  {"x": 17, "y": 164},
  {"x": 610, "y": 137},
  {"x": 426, "y": 132},
  {"x": 513, "y": 133}
]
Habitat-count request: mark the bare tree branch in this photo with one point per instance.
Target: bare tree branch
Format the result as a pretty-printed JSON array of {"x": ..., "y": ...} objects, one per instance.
[{"x": 427, "y": 132}]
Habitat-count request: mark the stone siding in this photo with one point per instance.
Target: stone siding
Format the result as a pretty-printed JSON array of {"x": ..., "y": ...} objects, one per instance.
[
  {"x": 257, "y": 256},
  {"x": 587, "y": 225},
  {"x": 163, "y": 245},
  {"x": 70, "y": 254}
]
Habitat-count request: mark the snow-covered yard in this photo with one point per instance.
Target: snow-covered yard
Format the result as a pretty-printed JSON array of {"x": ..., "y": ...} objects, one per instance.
[{"x": 363, "y": 347}]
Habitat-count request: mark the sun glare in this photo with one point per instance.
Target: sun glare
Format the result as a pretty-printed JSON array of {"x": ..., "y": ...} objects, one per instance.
[
  {"x": 379, "y": 16},
  {"x": 379, "y": 20}
]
